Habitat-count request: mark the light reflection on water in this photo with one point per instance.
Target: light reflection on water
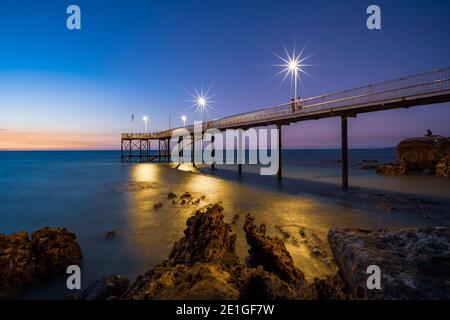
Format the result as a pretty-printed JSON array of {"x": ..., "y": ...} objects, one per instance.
[
  {"x": 153, "y": 232},
  {"x": 93, "y": 193}
]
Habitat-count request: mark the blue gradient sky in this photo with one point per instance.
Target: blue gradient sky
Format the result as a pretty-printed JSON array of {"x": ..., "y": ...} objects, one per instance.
[{"x": 62, "y": 89}]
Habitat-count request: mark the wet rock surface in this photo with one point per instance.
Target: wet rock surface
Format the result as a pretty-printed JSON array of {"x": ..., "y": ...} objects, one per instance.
[
  {"x": 204, "y": 265},
  {"x": 109, "y": 287},
  {"x": 207, "y": 238},
  {"x": 272, "y": 255},
  {"x": 17, "y": 263},
  {"x": 414, "y": 263},
  {"x": 55, "y": 250},
  {"x": 24, "y": 260}
]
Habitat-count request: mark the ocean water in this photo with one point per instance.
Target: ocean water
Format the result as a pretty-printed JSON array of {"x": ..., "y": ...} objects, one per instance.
[{"x": 92, "y": 192}]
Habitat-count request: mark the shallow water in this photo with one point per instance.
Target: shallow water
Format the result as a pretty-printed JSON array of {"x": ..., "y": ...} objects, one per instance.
[{"x": 91, "y": 193}]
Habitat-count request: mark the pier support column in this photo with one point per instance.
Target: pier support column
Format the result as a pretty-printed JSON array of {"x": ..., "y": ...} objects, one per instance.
[
  {"x": 180, "y": 149},
  {"x": 213, "y": 153},
  {"x": 193, "y": 150},
  {"x": 159, "y": 150},
  {"x": 344, "y": 150},
  {"x": 280, "y": 170},
  {"x": 168, "y": 150},
  {"x": 130, "y": 155},
  {"x": 239, "y": 153},
  {"x": 121, "y": 150}
]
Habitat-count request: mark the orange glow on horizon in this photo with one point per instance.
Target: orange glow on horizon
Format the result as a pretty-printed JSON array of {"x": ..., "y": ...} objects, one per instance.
[{"x": 15, "y": 140}]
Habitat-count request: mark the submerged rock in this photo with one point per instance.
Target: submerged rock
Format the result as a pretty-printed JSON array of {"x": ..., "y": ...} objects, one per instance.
[
  {"x": 171, "y": 195},
  {"x": 111, "y": 234},
  {"x": 109, "y": 287},
  {"x": 414, "y": 263},
  {"x": 158, "y": 205},
  {"x": 186, "y": 196},
  {"x": 287, "y": 236}
]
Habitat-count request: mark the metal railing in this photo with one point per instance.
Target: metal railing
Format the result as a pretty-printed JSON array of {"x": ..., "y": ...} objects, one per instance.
[{"x": 408, "y": 87}]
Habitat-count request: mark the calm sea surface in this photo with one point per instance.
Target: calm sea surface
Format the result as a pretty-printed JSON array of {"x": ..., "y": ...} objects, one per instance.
[{"x": 91, "y": 192}]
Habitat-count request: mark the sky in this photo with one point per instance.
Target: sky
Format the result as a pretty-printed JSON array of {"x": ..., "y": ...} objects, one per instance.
[{"x": 77, "y": 89}]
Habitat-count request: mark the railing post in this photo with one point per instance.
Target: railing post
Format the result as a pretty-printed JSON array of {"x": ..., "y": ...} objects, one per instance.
[
  {"x": 121, "y": 150},
  {"x": 344, "y": 150}
]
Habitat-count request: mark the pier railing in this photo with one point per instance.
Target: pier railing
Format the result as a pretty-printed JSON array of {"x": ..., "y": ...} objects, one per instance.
[{"x": 411, "y": 87}]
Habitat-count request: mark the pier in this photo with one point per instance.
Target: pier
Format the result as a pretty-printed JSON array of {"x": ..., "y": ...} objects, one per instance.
[{"x": 417, "y": 90}]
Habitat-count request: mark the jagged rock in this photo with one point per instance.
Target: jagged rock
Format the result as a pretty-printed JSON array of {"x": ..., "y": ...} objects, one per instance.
[
  {"x": 443, "y": 167},
  {"x": 171, "y": 195},
  {"x": 330, "y": 288},
  {"x": 199, "y": 281},
  {"x": 258, "y": 284},
  {"x": 414, "y": 263},
  {"x": 23, "y": 261},
  {"x": 390, "y": 169},
  {"x": 418, "y": 154},
  {"x": 199, "y": 266},
  {"x": 271, "y": 254},
  {"x": 17, "y": 263},
  {"x": 55, "y": 250},
  {"x": 429, "y": 155},
  {"x": 107, "y": 288},
  {"x": 207, "y": 238}
]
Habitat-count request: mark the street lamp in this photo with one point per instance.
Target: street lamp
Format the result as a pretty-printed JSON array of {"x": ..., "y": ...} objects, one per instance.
[
  {"x": 202, "y": 102},
  {"x": 146, "y": 123},
  {"x": 293, "y": 66},
  {"x": 183, "y": 118}
]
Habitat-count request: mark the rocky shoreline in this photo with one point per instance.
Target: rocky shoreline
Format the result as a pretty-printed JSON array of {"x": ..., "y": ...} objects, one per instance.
[
  {"x": 203, "y": 264},
  {"x": 24, "y": 260},
  {"x": 424, "y": 155}
]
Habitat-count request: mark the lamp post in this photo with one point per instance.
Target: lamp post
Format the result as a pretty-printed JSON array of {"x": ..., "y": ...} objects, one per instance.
[
  {"x": 183, "y": 118},
  {"x": 293, "y": 64},
  {"x": 202, "y": 103},
  {"x": 145, "y": 118}
]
